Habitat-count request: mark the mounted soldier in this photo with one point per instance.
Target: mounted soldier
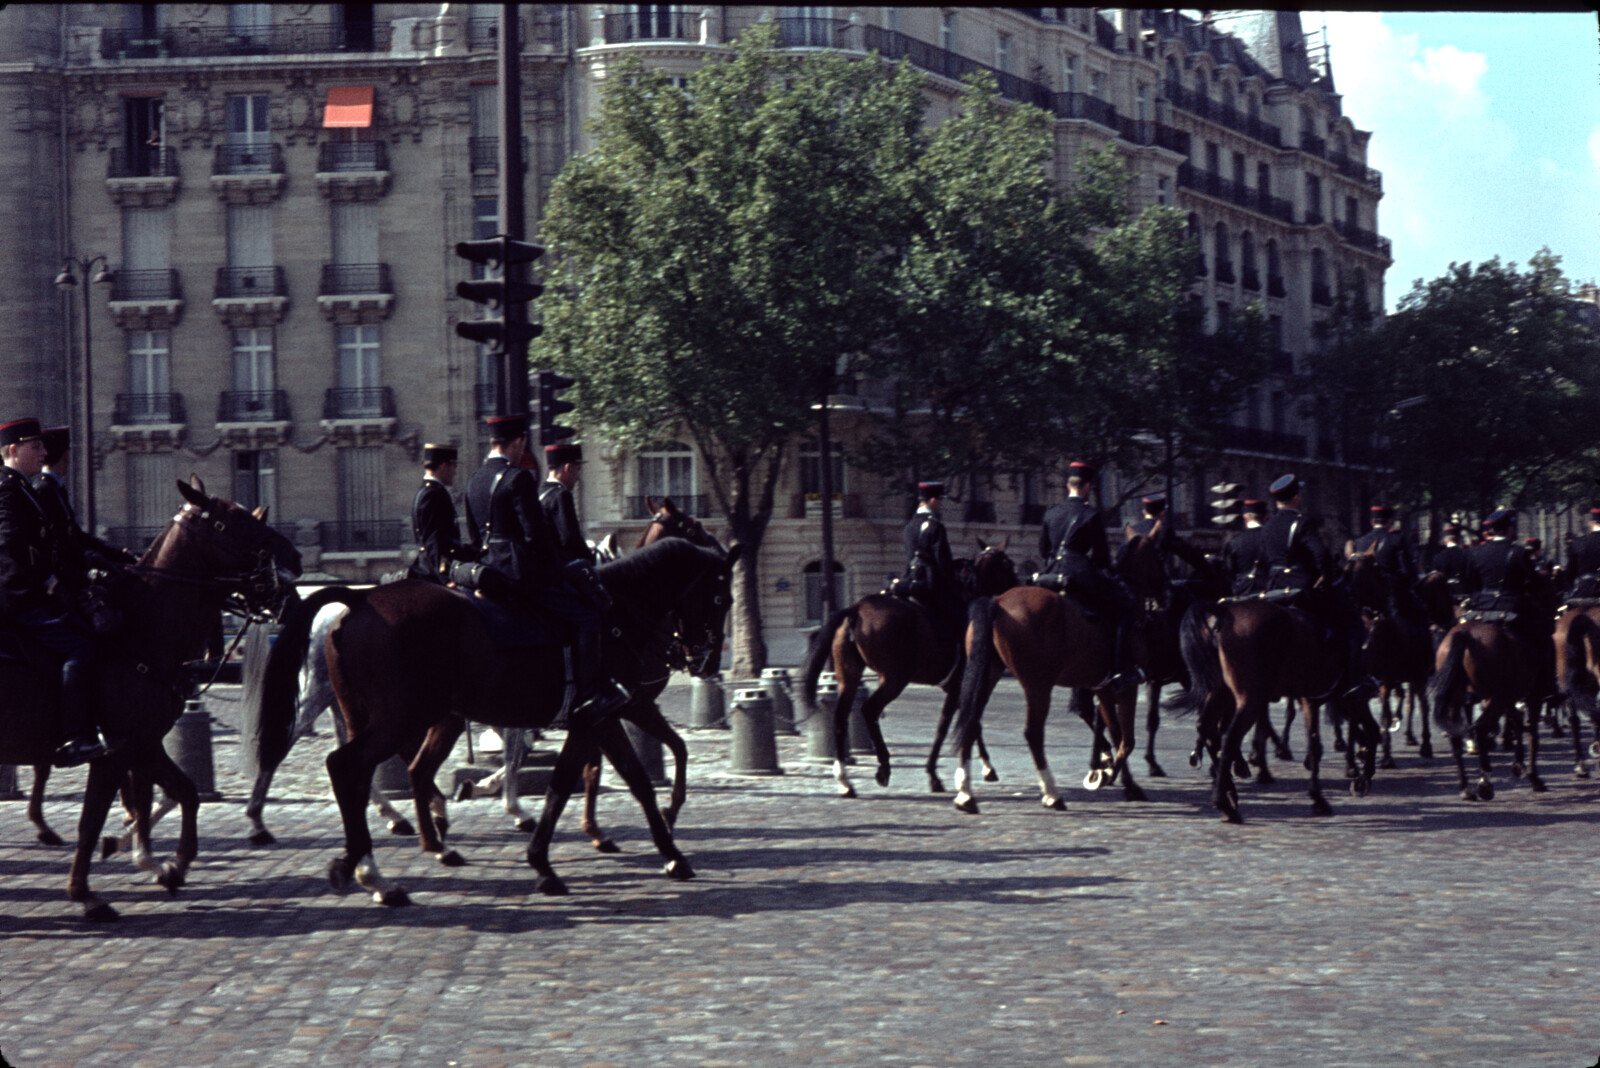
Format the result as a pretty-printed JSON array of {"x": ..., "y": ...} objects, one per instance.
[
  {"x": 1395, "y": 561},
  {"x": 517, "y": 544},
  {"x": 1451, "y": 560},
  {"x": 34, "y": 555},
  {"x": 1073, "y": 539},
  {"x": 564, "y": 464},
  {"x": 1167, "y": 541},
  {"x": 930, "y": 578},
  {"x": 433, "y": 517},
  {"x": 1244, "y": 557},
  {"x": 1500, "y": 579},
  {"x": 1583, "y": 561}
]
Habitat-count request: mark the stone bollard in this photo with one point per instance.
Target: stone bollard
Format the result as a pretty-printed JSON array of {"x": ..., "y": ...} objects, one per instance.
[
  {"x": 819, "y": 728},
  {"x": 393, "y": 777},
  {"x": 189, "y": 746},
  {"x": 705, "y": 703},
  {"x": 8, "y": 783},
  {"x": 648, "y": 750},
  {"x": 860, "y": 737},
  {"x": 776, "y": 682},
  {"x": 755, "y": 749}
]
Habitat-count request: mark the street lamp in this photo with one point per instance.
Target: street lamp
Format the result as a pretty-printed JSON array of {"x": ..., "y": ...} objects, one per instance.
[{"x": 67, "y": 281}]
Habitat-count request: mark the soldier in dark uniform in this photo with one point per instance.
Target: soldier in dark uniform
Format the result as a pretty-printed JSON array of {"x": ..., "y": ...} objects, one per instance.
[
  {"x": 33, "y": 554},
  {"x": 52, "y": 491},
  {"x": 505, "y": 520},
  {"x": 1451, "y": 559},
  {"x": 1171, "y": 547},
  {"x": 564, "y": 464},
  {"x": 1243, "y": 557},
  {"x": 930, "y": 579},
  {"x": 1073, "y": 539},
  {"x": 1583, "y": 560},
  {"x": 1394, "y": 559},
  {"x": 1536, "y": 555},
  {"x": 1500, "y": 577},
  {"x": 433, "y": 517}
]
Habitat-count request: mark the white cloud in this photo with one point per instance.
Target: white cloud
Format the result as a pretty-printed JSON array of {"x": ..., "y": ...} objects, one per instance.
[{"x": 1458, "y": 74}]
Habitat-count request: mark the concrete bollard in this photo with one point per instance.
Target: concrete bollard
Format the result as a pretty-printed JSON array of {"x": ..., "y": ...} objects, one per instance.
[
  {"x": 189, "y": 746},
  {"x": 755, "y": 749},
  {"x": 706, "y": 707},
  {"x": 393, "y": 777},
  {"x": 819, "y": 728},
  {"x": 648, "y": 750},
  {"x": 8, "y": 783},
  {"x": 776, "y": 682}
]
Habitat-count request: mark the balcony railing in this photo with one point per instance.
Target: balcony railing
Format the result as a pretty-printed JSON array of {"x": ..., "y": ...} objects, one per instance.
[
  {"x": 355, "y": 279},
  {"x": 139, "y": 285},
  {"x": 656, "y": 22},
  {"x": 253, "y": 406},
  {"x": 245, "y": 283},
  {"x": 354, "y": 536},
  {"x": 1197, "y": 104},
  {"x": 1275, "y": 287},
  {"x": 143, "y": 161},
  {"x": 286, "y": 39},
  {"x": 796, "y": 32},
  {"x": 335, "y": 156},
  {"x": 370, "y": 402},
  {"x": 137, "y": 539},
  {"x": 484, "y": 153},
  {"x": 1214, "y": 185},
  {"x": 135, "y": 409},
  {"x": 1312, "y": 218},
  {"x": 1356, "y": 171},
  {"x": 1366, "y": 239},
  {"x": 248, "y": 159},
  {"x": 893, "y": 45},
  {"x": 1084, "y": 106},
  {"x": 1144, "y": 132},
  {"x": 697, "y": 505},
  {"x": 1255, "y": 439}
]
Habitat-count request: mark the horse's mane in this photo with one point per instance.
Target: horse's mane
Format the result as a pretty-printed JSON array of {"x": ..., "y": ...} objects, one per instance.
[{"x": 629, "y": 576}]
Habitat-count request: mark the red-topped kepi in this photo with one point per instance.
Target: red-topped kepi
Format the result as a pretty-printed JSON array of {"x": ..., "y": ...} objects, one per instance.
[
  {"x": 927, "y": 491},
  {"x": 564, "y": 453},
  {"x": 507, "y": 427},
  {"x": 1080, "y": 469},
  {"x": 19, "y": 430}
]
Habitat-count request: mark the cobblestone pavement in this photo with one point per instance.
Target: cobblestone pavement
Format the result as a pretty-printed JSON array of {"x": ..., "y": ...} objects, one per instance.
[{"x": 1410, "y": 928}]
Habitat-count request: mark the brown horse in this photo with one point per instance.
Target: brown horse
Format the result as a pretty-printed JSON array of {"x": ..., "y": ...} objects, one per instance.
[
  {"x": 212, "y": 554},
  {"x": 1483, "y": 662},
  {"x": 1045, "y": 640},
  {"x": 903, "y": 644},
  {"x": 409, "y": 661},
  {"x": 1577, "y": 641},
  {"x": 1398, "y": 652},
  {"x": 1244, "y": 654}
]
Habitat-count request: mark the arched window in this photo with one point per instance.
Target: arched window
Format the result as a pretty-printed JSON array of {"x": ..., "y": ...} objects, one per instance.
[
  {"x": 1224, "y": 251},
  {"x": 1274, "y": 270},
  {"x": 1247, "y": 260},
  {"x": 1194, "y": 236},
  {"x": 1320, "y": 292},
  {"x": 1174, "y": 78},
  {"x": 811, "y": 578}
]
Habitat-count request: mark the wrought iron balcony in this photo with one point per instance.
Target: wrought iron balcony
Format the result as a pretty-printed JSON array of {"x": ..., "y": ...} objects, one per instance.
[
  {"x": 143, "y": 161},
  {"x": 893, "y": 45},
  {"x": 355, "y": 279},
  {"x": 354, "y": 536},
  {"x": 655, "y": 22},
  {"x": 1138, "y": 132},
  {"x": 1357, "y": 171},
  {"x": 145, "y": 286},
  {"x": 1198, "y": 104},
  {"x": 1366, "y": 239},
  {"x": 285, "y": 39},
  {"x": 139, "y": 409},
  {"x": 697, "y": 505},
  {"x": 371, "y": 402},
  {"x": 1084, "y": 106},
  {"x": 245, "y": 159},
  {"x": 247, "y": 283},
  {"x": 1310, "y": 142},
  {"x": 334, "y": 156},
  {"x": 810, "y": 32},
  {"x": 1312, "y": 218},
  {"x": 1270, "y": 442},
  {"x": 253, "y": 406}
]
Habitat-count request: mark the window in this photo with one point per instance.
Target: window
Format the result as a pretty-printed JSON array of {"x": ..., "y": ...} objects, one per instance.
[
  {"x": 947, "y": 31},
  {"x": 250, "y": 242},
  {"x": 1142, "y": 104},
  {"x": 1280, "y": 412},
  {"x": 149, "y": 376},
  {"x": 250, "y": 24},
  {"x": 355, "y": 232},
  {"x": 1352, "y": 213},
  {"x": 361, "y": 489},
  {"x": 811, "y": 575},
  {"x": 249, "y": 134},
  {"x": 1264, "y": 179},
  {"x": 654, "y": 21},
  {"x": 1097, "y": 84},
  {"x": 1224, "y": 316},
  {"x": 1164, "y": 190},
  {"x": 146, "y": 240},
  {"x": 667, "y": 470},
  {"x": 252, "y": 360},
  {"x": 143, "y": 134},
  {"x": 255, "y": 478},
  {"x": 1213, "y": 157},
  {"x": 1002, "y": 52},
  {"x": 1313, "y": 198},
  {"x": 359, "y": 363},
  {"x": 1224, "y": 249},
  {"x": 150, "y": 494},
  {"x": 811, "y": 470},
  {"x": 1069, "y": 73},
  {"x": 1238, "y": 169}
]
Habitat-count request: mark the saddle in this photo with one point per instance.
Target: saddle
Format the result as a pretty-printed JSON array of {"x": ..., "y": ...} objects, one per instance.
[
  {"x": 1487, "y": 608},
  {"x": 513, "y": 628}
]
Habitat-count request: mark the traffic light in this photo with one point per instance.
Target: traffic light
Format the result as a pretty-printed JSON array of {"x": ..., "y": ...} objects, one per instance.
[
  {"x": 501, "y": 291},
  {"x": 552, "y": 408},
  {"x": 1225, "y": 511}
]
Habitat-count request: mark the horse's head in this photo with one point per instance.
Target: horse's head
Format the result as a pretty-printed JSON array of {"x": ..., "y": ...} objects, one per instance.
[
  {"x": 1140, "y": 565},
  {"x": 232, "y": 549},
  {"x": 992, "y": 570},
  {"x": 682, "y": 588},
  {"x": 669, "y": 521},
  {"x": 702, "y": 613}
]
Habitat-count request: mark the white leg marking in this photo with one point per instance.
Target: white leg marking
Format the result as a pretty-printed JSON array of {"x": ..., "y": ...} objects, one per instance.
[
  {"x": 963, "y": 782},
  {"x": 843, "y": 778},
  {"x": 368, "y": 875},
  {"x": 1047, "y": 787}
]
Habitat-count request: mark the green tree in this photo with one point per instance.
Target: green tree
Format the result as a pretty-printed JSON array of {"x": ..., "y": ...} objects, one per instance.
[{"x": 718, "y": 253}]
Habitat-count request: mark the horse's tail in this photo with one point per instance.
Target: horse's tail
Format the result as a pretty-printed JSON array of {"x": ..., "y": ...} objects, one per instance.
[
  {"x": 1579, "y": 691},
  {"x": 1448, "y": 687},
  {"x": 817, "y": 654},
  {"x": 975, "y": 676},
  {"x": 271, "y": 699},
  {"x": 1197, "y": 643}
]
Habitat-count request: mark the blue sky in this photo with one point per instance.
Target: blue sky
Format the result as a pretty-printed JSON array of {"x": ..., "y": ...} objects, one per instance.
[{"x": 1486, "y": 127}]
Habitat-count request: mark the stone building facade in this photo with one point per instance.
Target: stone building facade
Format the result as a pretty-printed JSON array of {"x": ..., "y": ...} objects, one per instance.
[{"x": 305, "y": 170}]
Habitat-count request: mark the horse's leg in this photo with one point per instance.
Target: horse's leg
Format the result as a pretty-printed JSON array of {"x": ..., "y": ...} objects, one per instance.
[
  {"x": 1390, "y": 719},
  {"x": 138, "y": 794},
  {"x": 1313, "y": 763},
  {"x": 350, "y": 768},
  {"x": 1224, "y": 793},
  {"x": 1036, "y": 696},
  {"x": 965, "y": 800},
  {"x": 1152, "y": 723},
  {"x": 619, "y": 751},
  {"x": 41, "y": 776},
  {"x": 178, "y": 791},
  {"x": 1125, "y": 715},
  {"x": 888, "y": 689},
  {"x": 1579, "y": 768},
  {"x": 1087, "y": 707},
  {"x": 590, "y": 824},
  {"x": 989, "y": 774},
  {"x": 1535, "y": 782},
  {"x": 432, "y": 816},
  {"x": 947, "y": 712},
  {"x": 1258, "y": 757},
  {"x": 1280, "y": 742},
  {"x": 648, "y": 718},
  {"x": 1484, "y": 733},
  {"x": 849, "y": 675},
  {"x": 105, "y": 778},
  {"x": 512, "y": 758}
]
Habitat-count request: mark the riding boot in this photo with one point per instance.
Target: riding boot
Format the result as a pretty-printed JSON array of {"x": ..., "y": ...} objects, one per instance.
[
  {"x": 600, "y": 696},
  {"x": 83, "y": 742}
]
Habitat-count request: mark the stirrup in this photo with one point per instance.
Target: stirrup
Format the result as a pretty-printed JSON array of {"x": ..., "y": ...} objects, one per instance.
[{"x": 1127, "y": 680}]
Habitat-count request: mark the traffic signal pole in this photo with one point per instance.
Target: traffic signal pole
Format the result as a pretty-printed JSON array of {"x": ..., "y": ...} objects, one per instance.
[{"x": 513, "y": 383}]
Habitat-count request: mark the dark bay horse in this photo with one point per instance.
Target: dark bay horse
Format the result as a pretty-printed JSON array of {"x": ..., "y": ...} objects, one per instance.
[
  {"x": 212, "y": 554},
  {"x": 899, "y": 641},
  {"x": 1397, "y": 651},
  {"x": 1577, "y": 641},
  {"x": 1046, "y": 641},
  {"x": 1482, "y": 662},
  {"x": 1244, "y": 654},
  {"x": 410, "y": 661}
]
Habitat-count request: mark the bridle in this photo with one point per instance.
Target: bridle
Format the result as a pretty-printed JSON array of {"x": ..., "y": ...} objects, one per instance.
[
  {"x": 257, "y": 591},
  {"x": 678, "y": 525},
  {"x": 682, "y": 650}
]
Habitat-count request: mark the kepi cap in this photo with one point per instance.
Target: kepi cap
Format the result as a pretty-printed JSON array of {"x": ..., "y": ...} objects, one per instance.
[
  {"x": 19, "y": 430},
  {"x": 57, "y": 440},
  {"x": 927, "y": 491},
  {"x": 1254, "y": 507},
  {"x": 1156, "y": 502},
  {"x": 1079, "y": 469},
  {"x": 507, "y": 427},
  {"x": 1285, "y": 488},
  {"x": 564, "y": 453},
  {"x": 439, "y": 454}
]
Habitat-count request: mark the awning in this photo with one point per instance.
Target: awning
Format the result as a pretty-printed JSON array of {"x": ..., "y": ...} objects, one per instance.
[{"x": 349, "y": 106}]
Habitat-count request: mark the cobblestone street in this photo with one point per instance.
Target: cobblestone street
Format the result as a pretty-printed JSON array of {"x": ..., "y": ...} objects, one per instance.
[{"x": 1410, "y": 928}]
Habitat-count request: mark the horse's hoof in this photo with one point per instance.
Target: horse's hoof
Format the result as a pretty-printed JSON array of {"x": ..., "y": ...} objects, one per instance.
[
  {"x": 1155, "y": 770},
  {"x": 678, "y": 870},
  {"x": 171, "y": 878},
  {"x": 1517, "y": 770},
  {"x": 263, "y": 837},
  {"x": 936, "y": 785},
  {"x": 1264, "y": 777},
  {"x": 990, "y": 775},
  {"x": 968, "y": 805},
  {"x": 1411, "y": 739},
  {"x": 1320, "y": 807},
  {"x": 100, "y": 912},
  {"x": 395, "y": 898},
  {"x": 108, "y": 846},
  {"x": 50, "y": 838},
  {"x": 1133, "y": 792},
  {"x": 452, "y": 859},
  {"x": 1485, "y": 790},
  {"x": 550, "y": 886},
  {"x": 606, "y": 845},
  {"x": 882, "y": 775},
  {"x": 1387, "y": 763},
  {"x": 846, "y": 792},
  {"x": 1426, "y": 751},
  {"x": 1054, "y": 804},
  {"x": 339, "y": 874},
  {"x": 1537, "y": 784},
  {"x": 527, "y": 825},
  {"x": 1594, "y": 748},
  {"x": 1350, "y": 772},
  {"x": 402, "y": 829},
  {"x": 1229, "y": 810},
  {"x": 1580, "y": 770},
  {"x": 1338, "y": 745},
  {"x": 1094, "y": 779},
  {"x": 1359, "y": 786},
  {"x": 464, "y": 790}
]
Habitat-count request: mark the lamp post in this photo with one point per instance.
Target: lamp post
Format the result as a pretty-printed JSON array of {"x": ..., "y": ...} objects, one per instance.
[{"x": 67, "y": 282}]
